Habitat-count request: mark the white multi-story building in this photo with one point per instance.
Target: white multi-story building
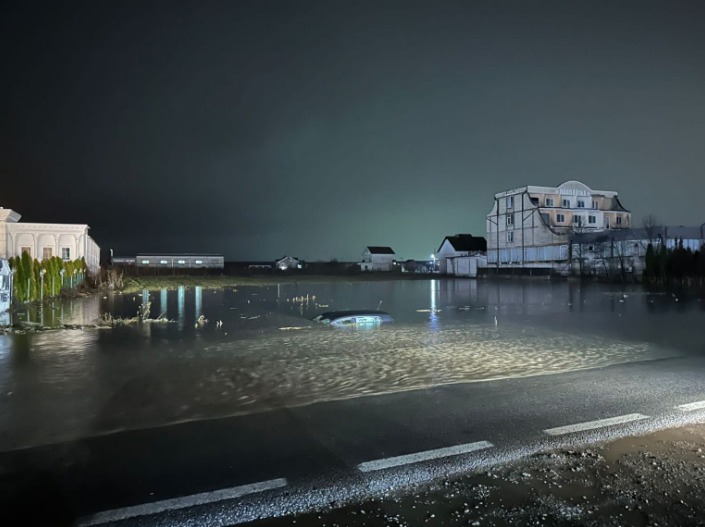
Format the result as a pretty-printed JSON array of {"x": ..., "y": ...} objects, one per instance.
[
  {"x": 45, "y": 240},
  {"x": 531, "y": 227}
]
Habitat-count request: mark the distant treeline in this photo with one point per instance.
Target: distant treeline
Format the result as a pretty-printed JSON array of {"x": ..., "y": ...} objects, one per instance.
[
  {"x": 27, "y": 279},
  {"x": 678, "y": 264}
]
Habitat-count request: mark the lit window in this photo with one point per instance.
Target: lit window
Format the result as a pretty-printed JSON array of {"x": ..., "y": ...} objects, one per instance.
[
  {"x": 581, "y": 204},
  {"x": 560, "y": 218},
  {"x": 592, "y": 219},
  {"x": 199, "y": 261},
  {"x": 510, "y": 219},
  {"x": 510, "y": 202},
  {"x": 549, "y": 202},
  {"x": 566, "y": 204},
  {"x": 510, "y": 236},
  {"x": 47, "y": 253},
  {"x": 163, "y": 262},
  {"x": 145, "y": 261},
  {"x": 182, "y": 262},
  {"x": 66, "y": 254}
]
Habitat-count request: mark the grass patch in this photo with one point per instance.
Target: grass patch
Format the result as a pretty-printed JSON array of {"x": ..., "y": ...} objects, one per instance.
[{"x": 134, "y": 284}]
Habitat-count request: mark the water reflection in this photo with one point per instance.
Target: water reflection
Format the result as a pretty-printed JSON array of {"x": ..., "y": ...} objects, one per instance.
[
  {"x": 163, "y": 307},
  {"x": 181, "y": 302},
  {"x": 433, "y": 316},
  {"x": 199, "y": 301}
]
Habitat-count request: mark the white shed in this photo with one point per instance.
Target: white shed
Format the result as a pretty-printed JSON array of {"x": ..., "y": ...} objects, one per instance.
[{"x": 456, "y": 246}]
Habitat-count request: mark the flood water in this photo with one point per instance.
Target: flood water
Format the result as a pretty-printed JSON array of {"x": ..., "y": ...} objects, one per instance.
[{"x": 64, "y": 384}]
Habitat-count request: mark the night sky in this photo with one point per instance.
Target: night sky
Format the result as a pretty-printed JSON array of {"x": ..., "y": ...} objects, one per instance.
[{"x": 258, "y": 129}]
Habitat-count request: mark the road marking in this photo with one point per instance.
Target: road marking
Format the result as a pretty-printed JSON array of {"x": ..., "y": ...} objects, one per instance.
[
  {"x": 380, "y": 464},
  {"x": 591, "y": 425},
  {"x": 691, "y": 406},
  {"x": 180, "y": 503}
]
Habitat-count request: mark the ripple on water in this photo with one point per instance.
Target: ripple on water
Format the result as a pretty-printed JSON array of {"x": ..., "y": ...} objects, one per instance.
[
  {"x": 69, "y": 391},
  {"x": 324, "y": 365}
]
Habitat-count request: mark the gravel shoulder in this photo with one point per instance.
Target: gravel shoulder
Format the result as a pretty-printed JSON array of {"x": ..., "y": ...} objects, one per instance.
[{"x": 654, "y": 480}]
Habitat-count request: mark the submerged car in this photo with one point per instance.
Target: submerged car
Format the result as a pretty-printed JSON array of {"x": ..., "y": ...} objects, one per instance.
[{"x": 354, "y": 318}]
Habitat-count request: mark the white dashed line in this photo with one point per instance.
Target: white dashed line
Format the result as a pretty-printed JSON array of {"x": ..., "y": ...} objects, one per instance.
[
  {"x": 591, "y": 425},
  {"x": 698, "y": 405},
  {"x": 380, "y": 464},
  {"x": 180, "y": 503}
]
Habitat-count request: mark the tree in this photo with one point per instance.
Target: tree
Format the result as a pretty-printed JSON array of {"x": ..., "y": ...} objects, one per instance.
[{"x": 651, "y": 227}]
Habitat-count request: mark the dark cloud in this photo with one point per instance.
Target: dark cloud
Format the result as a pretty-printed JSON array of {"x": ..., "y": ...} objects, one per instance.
[{"x": 315, "y": 128}]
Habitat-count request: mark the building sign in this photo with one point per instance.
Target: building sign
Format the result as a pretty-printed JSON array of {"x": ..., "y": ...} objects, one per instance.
[{"x": 573, "y": 192}]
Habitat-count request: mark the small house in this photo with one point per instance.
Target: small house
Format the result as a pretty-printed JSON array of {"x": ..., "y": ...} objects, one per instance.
[
  {"x": 286, "y": 263},
  {"x": 376, "y": 258},
  {"x": 454, "y": 254}
]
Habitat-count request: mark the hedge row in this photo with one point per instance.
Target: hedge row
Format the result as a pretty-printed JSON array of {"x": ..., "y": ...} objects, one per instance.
[{"x": 27, "y": 276}]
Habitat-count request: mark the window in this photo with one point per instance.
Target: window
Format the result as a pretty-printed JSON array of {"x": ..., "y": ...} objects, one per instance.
[
  {"x": 581, "y": 203},
  {"x": 549, "y": 202},
  {"x": 510, "y": 236},
  {"x": 577, "y": 220},
  {"x": 566, "y": 204},
  {"x": 594, "y": 204},
  {"x": 592, "y": 219},
  {"x": 27, "y": 250},
  {"x": 510, "y": 220},
  {"x": 182, "y": 262},
  {"x": 47, "y": 253},
  {"x": 66, "y": 254},
  {"x": 560, "y": 218},
  {"x": 145, "y": 262},
  {"x": 510, "y": 202},
  {"x": 619, "y": 220},
  {"x": 163, "y": 262},
  {"x": 199, "y": 262}
]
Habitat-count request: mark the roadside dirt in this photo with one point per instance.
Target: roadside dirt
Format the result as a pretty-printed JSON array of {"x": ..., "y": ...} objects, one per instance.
[{"x": 655, "y": 480}]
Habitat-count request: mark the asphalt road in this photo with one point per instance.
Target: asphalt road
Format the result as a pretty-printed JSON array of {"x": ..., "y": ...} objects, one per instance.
[{"x": 232, "y": 470}]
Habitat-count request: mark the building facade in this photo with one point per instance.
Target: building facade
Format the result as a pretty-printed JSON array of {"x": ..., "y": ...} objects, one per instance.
[
  {"x": 531, "y": 227},
  {"x": 375, "y": 258},
  {"x": 623, "y": 251},
  {"x": 5, "y": 290},
  {"x": 46, "y": 240}
]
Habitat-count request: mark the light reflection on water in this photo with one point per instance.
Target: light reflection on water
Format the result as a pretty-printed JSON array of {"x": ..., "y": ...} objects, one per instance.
[{"x": 69, "y": 383}]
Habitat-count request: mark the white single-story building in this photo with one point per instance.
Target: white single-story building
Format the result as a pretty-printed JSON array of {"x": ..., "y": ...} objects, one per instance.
[
  {"x": 460, "y": 245},
  {"x": 46, "y": 240},
  {"x": 377, "y": 258},
  {"x": 179, "y": 261},
  {"x": 465, "y": 265}
]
